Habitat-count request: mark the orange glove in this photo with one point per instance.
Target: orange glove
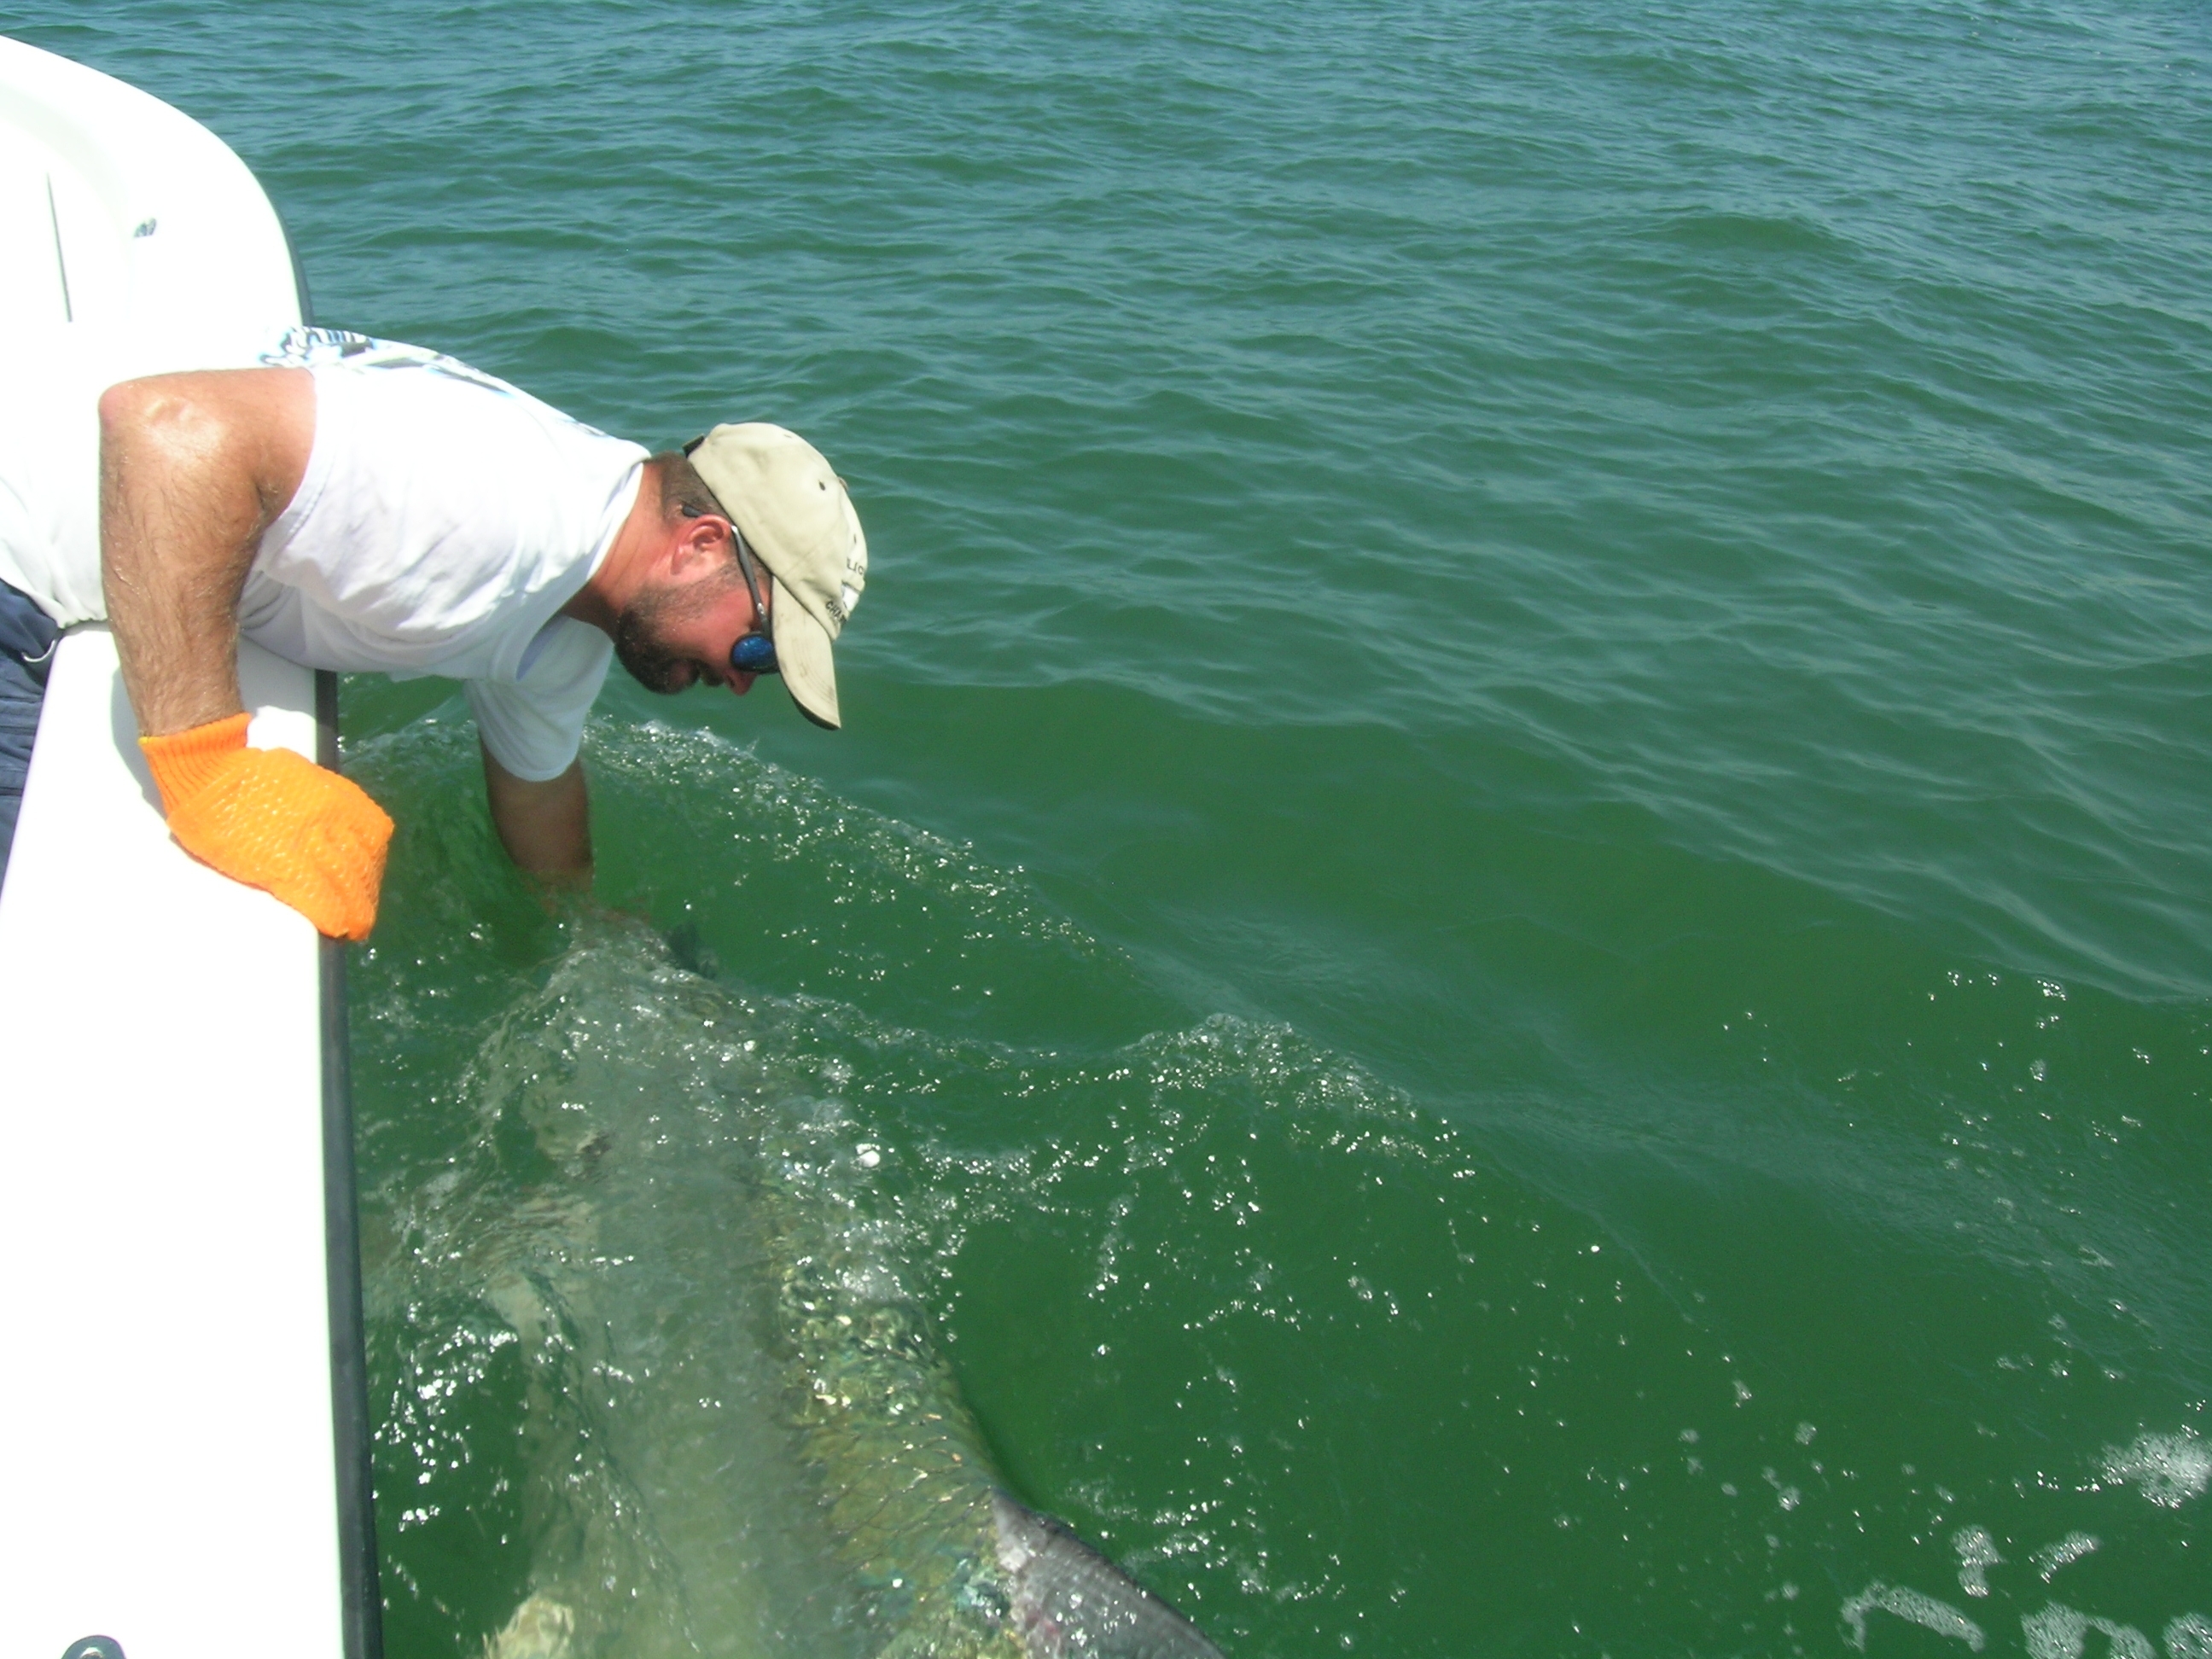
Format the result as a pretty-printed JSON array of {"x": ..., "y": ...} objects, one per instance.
[{"x": 273, "y": 820}]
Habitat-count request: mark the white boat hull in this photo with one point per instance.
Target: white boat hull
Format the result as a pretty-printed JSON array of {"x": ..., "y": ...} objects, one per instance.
[{"x": 186, "y": 1469}]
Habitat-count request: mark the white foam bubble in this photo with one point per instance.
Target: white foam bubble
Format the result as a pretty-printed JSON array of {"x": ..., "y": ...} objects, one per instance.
[
  {"x": 2189, "y": 1637},
  {"x": 2067, "y": 1550},
  {"x": 2169, "y": 1469},
  {"x": 1914, "y": 1608},
  {"x": 2059, "y": 1632},
  {"x": 1977, "y": 1553}
]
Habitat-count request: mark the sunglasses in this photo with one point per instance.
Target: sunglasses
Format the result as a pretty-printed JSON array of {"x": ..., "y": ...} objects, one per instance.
[{"x": 755, "y": 653}]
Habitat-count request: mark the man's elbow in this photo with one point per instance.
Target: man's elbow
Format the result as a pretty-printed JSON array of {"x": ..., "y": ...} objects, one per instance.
[
  {"x": 159, "y": 441},
  {"x": 119, "y": 407},
  {"x": 159, "y": 408},
  {"x": 242, "y": 436}
]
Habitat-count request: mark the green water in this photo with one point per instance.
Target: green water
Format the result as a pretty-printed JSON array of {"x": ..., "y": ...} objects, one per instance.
[{"x": 1518, "y": 894}]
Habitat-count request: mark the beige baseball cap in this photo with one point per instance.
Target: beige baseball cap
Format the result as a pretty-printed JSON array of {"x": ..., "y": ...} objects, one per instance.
[{"x": 795, "y": 515}]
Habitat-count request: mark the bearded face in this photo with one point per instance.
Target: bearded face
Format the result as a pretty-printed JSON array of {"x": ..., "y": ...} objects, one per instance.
[{"x": 644, "y": 628}]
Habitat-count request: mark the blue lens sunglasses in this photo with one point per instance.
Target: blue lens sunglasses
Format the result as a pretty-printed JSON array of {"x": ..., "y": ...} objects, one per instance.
[{"x": 754, "y": 653}]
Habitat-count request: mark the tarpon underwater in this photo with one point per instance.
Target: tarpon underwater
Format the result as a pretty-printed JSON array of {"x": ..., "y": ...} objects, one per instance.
[{"x": 750, "y": 1444}]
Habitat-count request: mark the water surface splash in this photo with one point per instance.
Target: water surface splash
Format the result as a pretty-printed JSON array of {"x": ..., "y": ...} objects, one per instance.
[{"x": 746, "y": 1439}]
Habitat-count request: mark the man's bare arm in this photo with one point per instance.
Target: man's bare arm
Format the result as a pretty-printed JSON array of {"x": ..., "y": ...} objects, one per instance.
[
  {"x": 546, "y": 827},
  {"x": 192, "y": 468}
]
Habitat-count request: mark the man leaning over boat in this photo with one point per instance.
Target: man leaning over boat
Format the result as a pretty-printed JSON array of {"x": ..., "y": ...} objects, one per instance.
[{"x": 357, "y": 505}]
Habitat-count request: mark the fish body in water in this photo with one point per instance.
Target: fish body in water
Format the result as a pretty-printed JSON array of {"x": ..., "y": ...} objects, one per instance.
[{"x": 722, "y": 1331}]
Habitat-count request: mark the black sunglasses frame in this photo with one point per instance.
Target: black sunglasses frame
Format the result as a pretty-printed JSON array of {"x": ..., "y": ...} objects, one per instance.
[{"x": 761, "y": 658}]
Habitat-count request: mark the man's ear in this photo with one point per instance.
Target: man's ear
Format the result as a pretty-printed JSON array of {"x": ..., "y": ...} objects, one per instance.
[{"x": 699, "y": 542}]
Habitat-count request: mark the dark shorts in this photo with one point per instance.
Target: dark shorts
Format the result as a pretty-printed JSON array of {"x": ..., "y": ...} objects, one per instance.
[{"x": 27, "y": 651}]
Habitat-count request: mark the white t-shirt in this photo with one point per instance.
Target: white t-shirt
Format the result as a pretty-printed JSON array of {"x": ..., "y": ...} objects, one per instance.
[{"x": 443, "y": 519}]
